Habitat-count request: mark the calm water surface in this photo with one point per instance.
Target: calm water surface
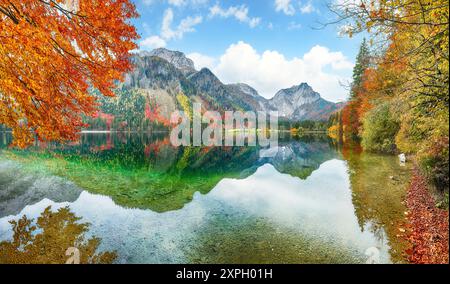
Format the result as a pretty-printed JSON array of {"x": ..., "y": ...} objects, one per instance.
[{"x": 313, "y": 202}]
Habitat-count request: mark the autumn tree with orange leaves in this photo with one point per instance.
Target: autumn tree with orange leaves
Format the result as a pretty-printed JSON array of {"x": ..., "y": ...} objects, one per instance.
[
  {"x": 350, "y": 114},
  {"x": 52, "y": 54},
  {"x": 403, "y": 105},
  {"x": 406, "y": 82}
]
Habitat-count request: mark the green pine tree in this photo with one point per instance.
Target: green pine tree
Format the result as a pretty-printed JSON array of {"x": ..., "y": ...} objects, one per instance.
[{"x": 361, "y": 64}]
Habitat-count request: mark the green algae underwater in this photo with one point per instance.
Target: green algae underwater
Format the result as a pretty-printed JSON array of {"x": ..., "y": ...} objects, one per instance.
[{"x": 149, "y": 202}]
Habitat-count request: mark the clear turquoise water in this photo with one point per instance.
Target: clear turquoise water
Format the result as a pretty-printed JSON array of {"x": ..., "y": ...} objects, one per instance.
[{"x": 152, "y": 203}]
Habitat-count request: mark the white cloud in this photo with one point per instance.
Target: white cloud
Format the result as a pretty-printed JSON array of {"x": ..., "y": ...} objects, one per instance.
[
  {"x": 202, "y": 61},
  {"x": 285, "y": 6},
  {"x": 186, "y": 25},
  {"x": 168, "y": 33},
  {"x": 177, "y": 2},
  {"x": 321, "y": 56},
  {"x": 166, "y": 30},
  {"x": 270, "y": 71},
  {"x": 238, "y": 12},
  {"x": 307, "y": 8},
  {"x": 152, "y": 42}
]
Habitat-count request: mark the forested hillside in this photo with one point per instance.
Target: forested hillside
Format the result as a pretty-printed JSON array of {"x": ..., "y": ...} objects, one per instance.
[{"x": 399, "y": 96}]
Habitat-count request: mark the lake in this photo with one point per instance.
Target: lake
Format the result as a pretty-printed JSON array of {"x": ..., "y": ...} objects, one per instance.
[{"x": 313, "y": 201}]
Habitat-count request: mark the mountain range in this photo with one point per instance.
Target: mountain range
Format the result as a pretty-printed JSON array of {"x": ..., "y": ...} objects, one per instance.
[{"x": 169, "y": 81}]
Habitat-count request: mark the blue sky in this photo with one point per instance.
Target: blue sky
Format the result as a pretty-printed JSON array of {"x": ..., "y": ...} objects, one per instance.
[{"x": 268, "y": 44}]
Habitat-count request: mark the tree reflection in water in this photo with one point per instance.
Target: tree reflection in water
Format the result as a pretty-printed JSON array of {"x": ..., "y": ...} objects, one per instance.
[{"x": 47, "y": 240}]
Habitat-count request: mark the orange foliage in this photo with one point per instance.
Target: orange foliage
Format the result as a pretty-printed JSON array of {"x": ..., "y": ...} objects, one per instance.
[
  {"x": 154, "y": 115},
  {"x": 51, "y": 54},
  {"x": 350, "y": 119},
  {"x": 370, "y": 83},
  {"x": 429, "y": 225},
  {"x": 155, "y": 147},
  {"x": 378, "y": 83},
  {"x": 108, "y": 118}
]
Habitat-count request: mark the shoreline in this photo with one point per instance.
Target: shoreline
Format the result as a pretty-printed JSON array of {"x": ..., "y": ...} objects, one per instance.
[{"x": 429, "y": 231}]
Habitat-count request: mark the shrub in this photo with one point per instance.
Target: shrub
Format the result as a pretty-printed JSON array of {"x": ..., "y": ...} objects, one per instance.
[
  {"x": 380, "y": 127},
  {"x": 435, "y": 164}
]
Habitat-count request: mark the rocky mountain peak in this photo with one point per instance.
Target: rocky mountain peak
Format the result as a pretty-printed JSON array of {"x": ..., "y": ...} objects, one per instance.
[
  {"x": 301, "y": 102},
  {"x": 246, "y": 89},
  {"x": 176, "y": 58},
  {"x": 304, "y": 86},
  {"x": 299, "y": 90},
  {"x": 173, "y": 72},
  {"x": 206, "y": 76},
  {"x": 297, "y": 95}
]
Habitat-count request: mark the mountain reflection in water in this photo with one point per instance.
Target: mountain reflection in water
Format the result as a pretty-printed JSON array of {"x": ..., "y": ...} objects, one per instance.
[{"x": 153, "y": 203}]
